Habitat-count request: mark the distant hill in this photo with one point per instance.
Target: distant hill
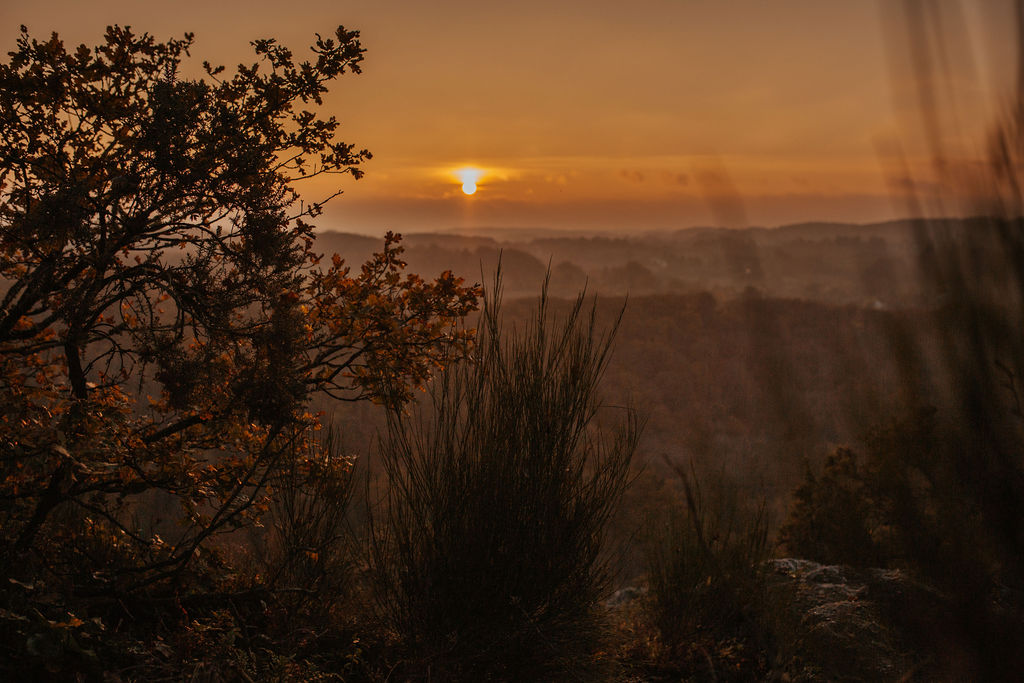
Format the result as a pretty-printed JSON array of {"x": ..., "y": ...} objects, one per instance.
[{"x": 870, "y": 265}]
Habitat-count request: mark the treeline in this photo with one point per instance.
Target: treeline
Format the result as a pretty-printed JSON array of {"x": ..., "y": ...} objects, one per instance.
[{"x": 872, "y": 265}]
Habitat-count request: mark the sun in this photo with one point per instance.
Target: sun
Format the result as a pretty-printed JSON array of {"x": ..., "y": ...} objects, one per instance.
[{"x": 469, "y": 176}]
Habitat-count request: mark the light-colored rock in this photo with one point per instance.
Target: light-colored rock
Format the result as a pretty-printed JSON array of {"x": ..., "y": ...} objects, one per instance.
[
  {"x": 625, "y": 596},
  {"x": 832, "y": 622}
]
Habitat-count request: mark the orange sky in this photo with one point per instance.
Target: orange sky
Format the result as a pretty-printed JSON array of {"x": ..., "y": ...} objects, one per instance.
[{"x": 596, "y": 115}]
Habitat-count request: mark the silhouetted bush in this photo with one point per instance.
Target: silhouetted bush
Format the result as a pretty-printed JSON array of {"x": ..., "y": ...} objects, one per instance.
[
  {"x": 831, "y": 518},
  {"x": 916, "y": 501},
  {"x": 489, "y": 551}
]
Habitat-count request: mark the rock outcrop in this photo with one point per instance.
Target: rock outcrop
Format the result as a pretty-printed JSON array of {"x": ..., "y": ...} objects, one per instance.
[{"x": 837, "y": 623}]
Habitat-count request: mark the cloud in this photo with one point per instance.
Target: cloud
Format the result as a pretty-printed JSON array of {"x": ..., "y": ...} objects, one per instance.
[
  {"x": 674, "y": 178},
  {"x": 633, "y": 175},
  {"x": 666, "y": 177}
]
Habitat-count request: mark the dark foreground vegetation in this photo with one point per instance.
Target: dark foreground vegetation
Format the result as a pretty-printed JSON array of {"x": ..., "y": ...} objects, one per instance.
[{"x": 824, "y": 491}]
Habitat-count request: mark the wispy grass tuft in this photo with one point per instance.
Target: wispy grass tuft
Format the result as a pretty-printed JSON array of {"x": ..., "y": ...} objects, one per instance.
[
  {"x": 704, "y": 566},
  {"x": 489, "y": 552}
]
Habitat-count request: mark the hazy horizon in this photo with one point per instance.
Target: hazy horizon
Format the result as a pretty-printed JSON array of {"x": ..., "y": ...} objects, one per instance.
[
  {"x": 518, "y": 232},
  {"x": 604, "y": 118}
]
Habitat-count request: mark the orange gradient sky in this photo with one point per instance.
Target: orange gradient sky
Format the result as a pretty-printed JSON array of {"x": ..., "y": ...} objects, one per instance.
[{"x": 597, "y": 115}]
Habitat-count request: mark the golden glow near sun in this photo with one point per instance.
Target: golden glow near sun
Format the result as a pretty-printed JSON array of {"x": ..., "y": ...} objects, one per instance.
[{"x": 469, "y": 177}]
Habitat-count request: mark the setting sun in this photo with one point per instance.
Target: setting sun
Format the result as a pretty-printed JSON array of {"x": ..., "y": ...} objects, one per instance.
[{"x": 469, "y": 177}]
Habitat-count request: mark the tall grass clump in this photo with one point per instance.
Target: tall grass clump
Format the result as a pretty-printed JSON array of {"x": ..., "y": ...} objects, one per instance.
[
  {"x": 704, "y": 569},
  {"x": 489, "y": 550},
  {"x": 308, "y": 550}
]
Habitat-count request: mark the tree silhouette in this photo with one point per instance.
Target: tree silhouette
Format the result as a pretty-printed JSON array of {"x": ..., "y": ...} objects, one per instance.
[{"x": 164, "y": 316}]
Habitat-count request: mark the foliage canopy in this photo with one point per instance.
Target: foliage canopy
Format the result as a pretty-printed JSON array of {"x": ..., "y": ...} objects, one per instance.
[{"x": 164, "y": 316}]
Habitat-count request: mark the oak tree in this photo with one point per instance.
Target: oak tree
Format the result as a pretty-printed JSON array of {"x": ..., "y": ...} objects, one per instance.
[{"x": 165, "y": 317}]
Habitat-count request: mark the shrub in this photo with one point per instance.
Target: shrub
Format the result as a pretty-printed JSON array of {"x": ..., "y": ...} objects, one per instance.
[
  {"x": 908, "y": 503},
  {"x": 489, "y": 552},
  {"x": 832, "y": 519}
]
